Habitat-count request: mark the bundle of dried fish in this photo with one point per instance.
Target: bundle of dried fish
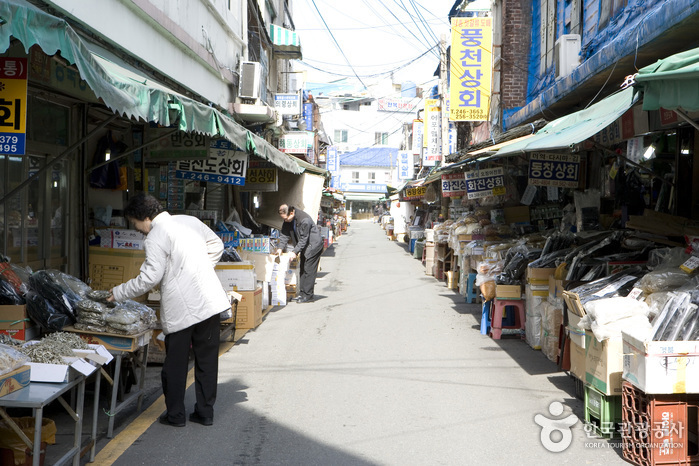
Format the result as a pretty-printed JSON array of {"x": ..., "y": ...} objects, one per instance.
[
  {"x": 101, "y": 296},
  {"x": 124, "y": 319},
  {"x": 71, "y": 340},
  {"x": 91, "y": 327},
  {"x": 11, "y": 358},
  {"x": 9, "y": 341},
  {"x": 91, "y": 312}
]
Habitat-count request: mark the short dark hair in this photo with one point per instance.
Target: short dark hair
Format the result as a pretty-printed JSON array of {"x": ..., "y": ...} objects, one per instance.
[
  {"x": 142, "y": 206},
  {"x": 284, "y": 209}
]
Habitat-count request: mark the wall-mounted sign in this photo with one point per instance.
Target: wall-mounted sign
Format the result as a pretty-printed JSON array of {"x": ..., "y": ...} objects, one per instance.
[
  {"x": 178, "y": 146},
  {"x": 546, "y": 169},
  {"x": 397, "y": 105},
  {"x": 433, "y": 133},
  {"x": 453, "y": 185},
  {"x": 13, "y": 105},
  {"x": 261, "y": 176},
  {"x": 470, "y": 68},
  {"x": 418, "y": 131},
  {"x": 225, "y": 165},
  {"x": 485, "y": 183},
  {"x": 406, "y": 168},
  {"x": 417, "y": 192},
  {"x": 287, "y": 104},
  {"x": 297, "y": 142},
  {"x": 363, "y": 187}
]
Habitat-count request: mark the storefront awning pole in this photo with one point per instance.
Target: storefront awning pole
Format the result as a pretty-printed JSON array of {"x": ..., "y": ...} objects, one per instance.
[
  {"x": 131, "y": 151},
  {"x": 63, "y": 155},
  {"x": 686, "y": 118}
]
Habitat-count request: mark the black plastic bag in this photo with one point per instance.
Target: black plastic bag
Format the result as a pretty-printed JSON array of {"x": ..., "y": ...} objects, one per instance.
[
  {"x": 42, "y": 283},
  {"x": 8, "y": 293},
  {"x": 44, "y": 314}
]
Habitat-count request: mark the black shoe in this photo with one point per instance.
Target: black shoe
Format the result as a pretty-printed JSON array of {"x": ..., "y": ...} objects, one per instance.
[
  {"x": 205, "y": 421},
  {"x": 304, "y": 299},
  {"x": 165, "y": 420}
]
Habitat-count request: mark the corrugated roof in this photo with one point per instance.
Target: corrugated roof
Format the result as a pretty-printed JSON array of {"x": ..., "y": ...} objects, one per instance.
[{"x": 370, "y": 157}]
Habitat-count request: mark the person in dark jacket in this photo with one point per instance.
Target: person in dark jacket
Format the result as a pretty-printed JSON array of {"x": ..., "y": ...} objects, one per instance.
[{"x": 304, "y": 234}]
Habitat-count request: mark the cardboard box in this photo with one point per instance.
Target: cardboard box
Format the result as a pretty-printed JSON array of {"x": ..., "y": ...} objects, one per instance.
[
  {"x": 604, "y": 364},
  {"x": 14, "y": 380},
  {"x": 577, "y": 360},
  {"x": 121, "y": 239},
  {"x": 508, "y": 291},
  {"x": 556, "y": 287},
  {"x": 264, "y": 264},
  {"x": 574, "y": 304},
  {"x": 238, "y": 276},
  {"x": 576, "y": 333},
  {"x": 249, "y": 314},
  {"x": 109, "y": 267},
  {"x": 661, "y": 367},
  {"x": 15, "y": 323},
  {"x": 114, "y": 342},
  {"x": 539, "y": 276}
]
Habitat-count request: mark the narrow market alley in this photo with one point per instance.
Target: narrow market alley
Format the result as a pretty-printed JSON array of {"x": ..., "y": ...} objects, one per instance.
[{"x": 386, "y": 367}]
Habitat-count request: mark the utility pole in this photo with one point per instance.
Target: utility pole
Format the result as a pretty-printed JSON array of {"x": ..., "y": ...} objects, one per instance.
[{"x": 444, "y": 96}]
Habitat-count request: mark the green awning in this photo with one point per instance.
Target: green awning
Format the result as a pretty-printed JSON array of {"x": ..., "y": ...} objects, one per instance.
[
  {"x": 576, "y": 127},
  {"x": 285, "y": 42},
  {"x": 133, "y": 97},
  {"x": 671, "y": 83}
]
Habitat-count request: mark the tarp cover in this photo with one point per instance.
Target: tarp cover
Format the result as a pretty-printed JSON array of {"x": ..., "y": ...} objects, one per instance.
[{"x": 671, "y": 83}]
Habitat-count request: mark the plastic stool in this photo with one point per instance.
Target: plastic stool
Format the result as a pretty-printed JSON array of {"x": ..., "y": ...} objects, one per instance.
[
  {"x": 471, "y": 289},
  {"x": 498, "y": 308},
  {"x": 485, "y": 317}
]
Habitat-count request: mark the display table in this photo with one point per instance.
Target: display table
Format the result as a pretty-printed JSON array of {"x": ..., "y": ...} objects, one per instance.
[
  {"x": 120, "y": 346},
  {"x": 39, "y": 394}
]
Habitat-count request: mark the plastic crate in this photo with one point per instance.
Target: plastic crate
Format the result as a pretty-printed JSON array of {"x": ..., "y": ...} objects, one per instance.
[
  {"x": 659, "y": 429},
  {"x": 603, "y": 412},
  {"x": 579, "y": 388}
]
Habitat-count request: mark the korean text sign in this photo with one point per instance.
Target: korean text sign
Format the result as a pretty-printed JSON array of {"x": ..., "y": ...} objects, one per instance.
[
  {"x": 485, "y": 183},
  {"x": 225, "y": 165},
  {"x": 561, "y": 170},
  {"x": 415, "y": 193},
  {"x": 13, "y": 105},
  {"x": 470, "y": 68},
  {"x": 287, "y": 104},
  {"x": 453, "y": 184},
  {"x": 405, "y": 165},
  {"x": 433, "y": 133},
  {"x": 418, "y": 131}
]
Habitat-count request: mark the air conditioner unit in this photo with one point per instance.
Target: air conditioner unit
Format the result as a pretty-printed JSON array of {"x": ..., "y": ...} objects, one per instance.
[
  {"x": 250, "y": 80},
  {"x": 567, "y": 54}
]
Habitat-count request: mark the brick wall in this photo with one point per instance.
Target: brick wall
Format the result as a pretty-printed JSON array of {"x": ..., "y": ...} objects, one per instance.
[{"x": 516, "y": 36}]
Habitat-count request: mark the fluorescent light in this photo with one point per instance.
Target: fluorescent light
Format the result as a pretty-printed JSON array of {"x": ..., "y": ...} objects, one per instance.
[
  {"x": 107, "y": 155},
  {"x": 649, "y": 153},
  {"x": 684, "y": 151}
]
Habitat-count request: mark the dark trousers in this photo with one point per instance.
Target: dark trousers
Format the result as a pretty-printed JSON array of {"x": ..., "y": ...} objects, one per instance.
[
  {"x": 203, "y": 338},
  {"x": 309, "y": 270}
]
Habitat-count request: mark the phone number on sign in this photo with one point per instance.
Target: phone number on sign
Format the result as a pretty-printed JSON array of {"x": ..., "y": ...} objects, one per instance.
[{"x": 236, "y": 180}]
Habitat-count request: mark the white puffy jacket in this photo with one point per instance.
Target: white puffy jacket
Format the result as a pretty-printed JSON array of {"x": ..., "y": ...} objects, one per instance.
[{"x": 181, "y": 253}]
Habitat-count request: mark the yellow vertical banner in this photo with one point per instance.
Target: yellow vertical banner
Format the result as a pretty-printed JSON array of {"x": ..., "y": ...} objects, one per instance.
[
  {"x": 470, "y": 69},
  {"x": 13, "y": 105}
]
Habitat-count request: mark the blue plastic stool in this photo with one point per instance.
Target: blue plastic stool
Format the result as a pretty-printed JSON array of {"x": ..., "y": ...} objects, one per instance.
[
  {"x": 485, "y": 317},
  {"x": 471, "y": 289}
]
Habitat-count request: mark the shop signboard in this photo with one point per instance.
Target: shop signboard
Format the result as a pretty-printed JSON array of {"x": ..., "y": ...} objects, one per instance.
[
  {"x": 406, "y": 105},
  {"x": 433, "y": 133},
  {"x": 296, "y": 142},
  {"x": 418, "y": 131},
  {"x": 485, "y": 183},
  {"x": 225, "y": 165},
  {"x": 415, "y": 192},
  {"x": 333, "y": 166},
  {"x": 262, "y": 177},
  {"x": 13, "y": 105},
  {"x": 549, "y": 169},
  {"x": 453, "y": 185},
  {"x": 287, "y": 104},
  {"x": 452, "y": 137},
  {"x": 470, "y": 68},
  {"x": 363, "y": 187},
  {"x": 308, "y": 116},
  {"x": 406, "y": 168},
  {"x": 177, "y": 146}
]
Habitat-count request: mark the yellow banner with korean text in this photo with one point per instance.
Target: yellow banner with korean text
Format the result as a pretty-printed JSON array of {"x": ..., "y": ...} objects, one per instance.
[{"x": 470, "y": 69}]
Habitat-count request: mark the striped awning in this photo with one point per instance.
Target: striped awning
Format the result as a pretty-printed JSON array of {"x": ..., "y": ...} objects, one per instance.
[{"x": 285, "y": 41}]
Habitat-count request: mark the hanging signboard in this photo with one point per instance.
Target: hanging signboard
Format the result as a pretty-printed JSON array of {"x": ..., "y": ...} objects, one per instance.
[
  {"x": 13, "y": 105},
  {"x": 453, "y": 185},
  {"x": 333, "y": 166},
  {"x": 417, "y": 192},
  {"x": 470, "y": 68},
  {"x": 363, "y": 187},
  {"x": 178, "y": 146},
  {"x": 561, "y": 170},
  {"x": 225, "y": 164},
  {"x": 485, "y": 183},
  {"x": 418, "y": 131},
  {"x": 397, "y": 105},
  {"x": 297, "y": 142},
  {"x": 287, "y": 104},
  {"x": 433, "y": 134},
  {"x": 261, "y": 176},
  {"x": 406, "y": 168}
]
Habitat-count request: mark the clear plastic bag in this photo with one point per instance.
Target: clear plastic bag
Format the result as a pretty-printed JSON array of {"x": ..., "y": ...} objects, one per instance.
[{"x": 11, "y": 359}]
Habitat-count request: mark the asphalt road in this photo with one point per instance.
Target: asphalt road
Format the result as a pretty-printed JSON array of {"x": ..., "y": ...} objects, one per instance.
[{"x": 386, "y": 367}]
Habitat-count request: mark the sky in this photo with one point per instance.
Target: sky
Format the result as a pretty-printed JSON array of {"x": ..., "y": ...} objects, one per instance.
[{"x": 364, "y": 40}]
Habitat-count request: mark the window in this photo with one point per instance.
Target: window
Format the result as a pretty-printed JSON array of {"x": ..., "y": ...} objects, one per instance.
[
  {"x": 372, "y": 177},
  {"x": 355, "y": 177},
  {"x": 380, "y": 139},
  {"x": 345, "y": 107},
  {"x": 340, "y": 135}
]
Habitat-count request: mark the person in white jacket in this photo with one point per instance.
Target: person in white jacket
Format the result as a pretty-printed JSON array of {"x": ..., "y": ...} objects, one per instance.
[{"x": 181, "y": 253}]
